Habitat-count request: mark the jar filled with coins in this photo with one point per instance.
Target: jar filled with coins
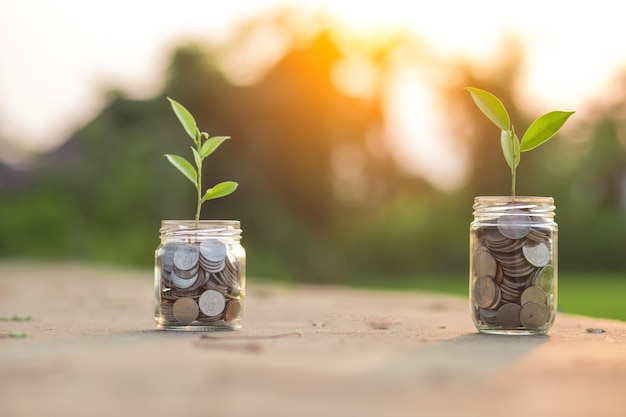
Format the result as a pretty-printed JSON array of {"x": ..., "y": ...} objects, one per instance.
[
  {"x": 513, "y": 265},
  {"x": 200, "y": 275}
]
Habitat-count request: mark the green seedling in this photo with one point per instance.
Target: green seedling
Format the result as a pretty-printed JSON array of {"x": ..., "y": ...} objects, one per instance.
[
  {"x": 542, "y": 129},
  {"x": 204, "y": 146}
]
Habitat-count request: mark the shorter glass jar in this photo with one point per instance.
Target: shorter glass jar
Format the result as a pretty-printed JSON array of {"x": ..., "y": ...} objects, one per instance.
[
  {"x": 513, "y": 265},
  {"x": 200, "y": 276}
]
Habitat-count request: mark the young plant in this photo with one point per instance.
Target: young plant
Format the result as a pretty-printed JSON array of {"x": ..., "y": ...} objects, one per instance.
[
  {"x": 204, "y": 146},
  {"x": 542, "y": 129}
]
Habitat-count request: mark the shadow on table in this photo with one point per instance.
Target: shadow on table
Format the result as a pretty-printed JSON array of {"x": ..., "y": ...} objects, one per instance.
[{"x": 464, "y": 358}]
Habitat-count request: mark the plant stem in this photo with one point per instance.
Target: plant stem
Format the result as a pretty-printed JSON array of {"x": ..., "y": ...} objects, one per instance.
[
  {"x": 513, "y": 182},
  {"x": 199, "y": 186}
]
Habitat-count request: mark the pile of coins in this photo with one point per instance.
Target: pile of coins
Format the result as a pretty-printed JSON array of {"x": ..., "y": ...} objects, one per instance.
[
  {"x": 512, "y": 273},
  {"x": 199, "y": 282}
]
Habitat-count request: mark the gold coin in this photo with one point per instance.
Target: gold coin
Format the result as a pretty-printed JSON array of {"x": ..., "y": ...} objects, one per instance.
[
  {"x": 232, "y": 311},
  {"x": 185, "y": 310},
  {"x": 534, "y": 315}
]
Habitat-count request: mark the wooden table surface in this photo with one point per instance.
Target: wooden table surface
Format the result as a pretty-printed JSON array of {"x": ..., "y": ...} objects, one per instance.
[{"x": 91, "y": 349}]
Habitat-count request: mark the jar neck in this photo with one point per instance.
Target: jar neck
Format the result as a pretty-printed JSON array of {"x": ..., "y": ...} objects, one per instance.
[
  {"x": 534, "y": 207},
  {"x": 190, "y": 231}
]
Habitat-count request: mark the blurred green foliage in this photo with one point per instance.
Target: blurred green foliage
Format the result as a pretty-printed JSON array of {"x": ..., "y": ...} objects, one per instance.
[{"x": 321, "y": 198}]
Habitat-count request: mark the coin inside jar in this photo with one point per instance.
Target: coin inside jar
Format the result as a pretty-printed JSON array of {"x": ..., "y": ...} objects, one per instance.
[
  {"x": 533, "y": 293},
  {"x": 544, "y": 278},
  {"x": 484, "y": 264},
  {"x": 212, "y": 303},
  {"x": 514, "y": 226},
  {"x": 508, "y": 316},
  {"x": 534, "y": 315},
  {"x": 537, "y": 255},
  {"x": 485, "y": 292},
  {"x": 185, "y": 310},
  {"x": 232, "y": 311}
]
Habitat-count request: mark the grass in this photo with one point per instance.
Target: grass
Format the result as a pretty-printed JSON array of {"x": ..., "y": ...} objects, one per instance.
[{"x": 594, "y": 294}]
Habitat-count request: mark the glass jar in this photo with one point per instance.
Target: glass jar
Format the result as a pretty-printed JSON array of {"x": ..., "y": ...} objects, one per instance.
[
  {"x": 513, "y": 265},
  {"x": 199, "y": 276}
]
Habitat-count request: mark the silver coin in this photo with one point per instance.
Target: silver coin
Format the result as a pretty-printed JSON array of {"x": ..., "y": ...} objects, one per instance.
[
  {"x": 485, "y": 292},
  {"x": 514, "y": 226},
  {"x": 537, "y": 255},
  {"x": 185, "y": 310},
  {"x": 167, "y": 256},
  {"x": 534, "y": 315},
  {"x": 186, "y": 258},
  {"x": 509, "y": 294},
  {"x": 506, "y": 245},
  {"x": 212, "y": 303},
  {"x": 499, "y": 276},
  {"x": 213, "y": 251},
  {"x": 537, "y": 235},
  {"x": 544, "y": 278},
  {"x": 534, "y": 294},
  {"x": 182, "y": 283},
  {"x": 509, "y": 316},
  {"x": 484, "y": 264}
]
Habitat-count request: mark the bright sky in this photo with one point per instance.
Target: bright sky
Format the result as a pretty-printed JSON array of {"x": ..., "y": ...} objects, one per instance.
[{"x": 57, "y": 55}]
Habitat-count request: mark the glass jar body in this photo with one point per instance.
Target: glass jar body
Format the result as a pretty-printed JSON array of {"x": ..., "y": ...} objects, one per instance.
[
  {"x": 513, "y": 265},
  {"x": 199, "y": 276}
]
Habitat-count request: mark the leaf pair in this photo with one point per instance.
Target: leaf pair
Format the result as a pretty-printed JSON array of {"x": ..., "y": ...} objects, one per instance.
[
  {"x": 204, "y": 146},
  {"x": 542, "y": 129}
]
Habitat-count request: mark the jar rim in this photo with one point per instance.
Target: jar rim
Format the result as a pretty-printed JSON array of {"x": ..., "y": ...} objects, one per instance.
[
  {"x": 200, "y": 223},
  {"x": 515, "y": 199},
  {"x": 203, "y": 229},
  {"x": 514, "y": 206}
]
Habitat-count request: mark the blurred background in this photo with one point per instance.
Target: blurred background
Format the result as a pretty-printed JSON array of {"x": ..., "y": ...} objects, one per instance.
[{"x": 357, "y": 151}]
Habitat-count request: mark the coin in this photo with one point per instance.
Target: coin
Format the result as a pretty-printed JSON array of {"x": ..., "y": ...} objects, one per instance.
[
  {"x": 186, "y": 257},
  {"x": 499, "y": 276},
  {"x": 537, "y": 255},
  {"x": 213, "y": 251},
  {"x": 544, "y": 278},
  {"x": 533, "y": 293},
  {"x": 485, "y": 292},
  {"x": 185, "y": 310},
  {"x": 186, "y": 261},
  {"x": 484, "y": 264},
  {"x": 167, "y": 256},
  {"x": 232, "y": 311},
  {"x": 514, "y": 226},
  {"x": 212, "y": 303},
  {"x": 534, "y": 315},
  {"x": 538, "y": 235},
  {"x": 182, "y": 283},
  {"x": 509, "y": 316}
]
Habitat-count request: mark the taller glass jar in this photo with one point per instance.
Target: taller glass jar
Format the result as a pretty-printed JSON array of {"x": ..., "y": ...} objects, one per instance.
[
  {"x": 513, "y": 265},
  {"x": 199, "y": 276}
]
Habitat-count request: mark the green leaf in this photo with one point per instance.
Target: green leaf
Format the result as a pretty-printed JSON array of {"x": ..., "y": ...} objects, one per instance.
[
  {"x": 543, "y": 129},
  {"x": 220, "y": 190},
  {"x": 211, "y": 145},
  {"x": 508, "y": 141},
  {"x": 491, "y": 106},
  {"x": 185, "y": 118},
  {"x": 183, "y": 166},
  {"x": 197, "y": 158}
]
